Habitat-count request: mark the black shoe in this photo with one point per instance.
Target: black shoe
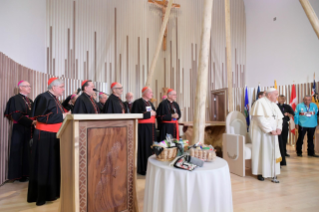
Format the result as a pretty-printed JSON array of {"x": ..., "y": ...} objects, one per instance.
[
  {"x": 23, "y": 179},
  {"x": 40, "y": 203},
  {"x": 287, "y": 155},
  {"x": 314, "y": 155},
  {"x": 299, "y": 154},
  {"x": 260, "y": 177}
]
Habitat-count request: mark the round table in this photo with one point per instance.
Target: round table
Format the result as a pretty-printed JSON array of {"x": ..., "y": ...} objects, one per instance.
[{"x": 206, "y": 188}]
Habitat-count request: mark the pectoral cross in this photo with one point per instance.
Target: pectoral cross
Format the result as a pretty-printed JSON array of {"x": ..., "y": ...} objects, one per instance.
[{"x": 163, "y": 5}]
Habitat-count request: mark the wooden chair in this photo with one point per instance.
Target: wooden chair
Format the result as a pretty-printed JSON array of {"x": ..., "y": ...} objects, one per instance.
[{"x": 237, "y": 145}]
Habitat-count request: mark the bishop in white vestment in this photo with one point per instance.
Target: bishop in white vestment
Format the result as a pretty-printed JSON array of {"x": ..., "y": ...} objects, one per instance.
[{"x": 266, "y": 125}]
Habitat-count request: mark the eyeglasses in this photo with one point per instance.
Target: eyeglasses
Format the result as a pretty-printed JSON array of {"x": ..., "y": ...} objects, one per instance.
[
  {"x": 119, "y": 88},
  {"x": 27, "y": 86}
]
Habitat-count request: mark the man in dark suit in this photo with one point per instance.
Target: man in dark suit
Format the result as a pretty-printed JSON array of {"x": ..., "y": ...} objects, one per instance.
[{"x": 287, "y": 112}]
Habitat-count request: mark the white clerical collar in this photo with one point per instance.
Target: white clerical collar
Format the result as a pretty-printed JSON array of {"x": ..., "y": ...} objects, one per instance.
[
  {"x": 23, "y": 94},
  {"x": 145, "y": 100}
]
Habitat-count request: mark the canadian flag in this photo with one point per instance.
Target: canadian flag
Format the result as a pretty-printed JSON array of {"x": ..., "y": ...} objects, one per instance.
[{"x": 293, "y": 104}]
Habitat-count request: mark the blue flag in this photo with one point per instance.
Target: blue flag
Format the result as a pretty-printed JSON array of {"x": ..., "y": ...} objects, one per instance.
[
  {"x": 247, "y": 108},
  {"x": 258, "y": 90}
]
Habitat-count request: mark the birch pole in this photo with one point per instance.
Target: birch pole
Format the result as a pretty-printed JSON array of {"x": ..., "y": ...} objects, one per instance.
[
  {"x": 202, "y": 75},
  {"x": 228, "y": 57},
  {"x": 159, "y": 44},
  {"x": 311, "y": 15}
]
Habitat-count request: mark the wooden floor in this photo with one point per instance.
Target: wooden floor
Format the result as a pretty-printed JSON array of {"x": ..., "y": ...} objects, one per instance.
[{"x": 298, "y": 190}]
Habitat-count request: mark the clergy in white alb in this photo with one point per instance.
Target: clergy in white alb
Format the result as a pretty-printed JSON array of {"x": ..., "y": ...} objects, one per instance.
[{"x": 266, "y": 125}]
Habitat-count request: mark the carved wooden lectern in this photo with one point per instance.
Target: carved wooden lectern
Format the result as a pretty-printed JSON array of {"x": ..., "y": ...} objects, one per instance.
[{"x": 98, "y": 155}]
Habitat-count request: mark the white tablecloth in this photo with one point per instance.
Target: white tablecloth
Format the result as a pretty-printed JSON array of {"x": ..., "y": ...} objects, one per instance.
[{"x": 207, "y": 188}]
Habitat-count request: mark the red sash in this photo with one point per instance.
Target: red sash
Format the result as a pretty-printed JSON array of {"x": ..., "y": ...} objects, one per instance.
[
  {"x": 147, "y": 121},
  {"x": 54, "y": 128},
  {"x": 176, "y": 126}
]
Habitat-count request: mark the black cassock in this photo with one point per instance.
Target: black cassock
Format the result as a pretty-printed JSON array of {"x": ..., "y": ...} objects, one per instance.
[
  {"x": 283, "y": 137},
  {"x": 66, "y": 104},
  {"x": 85, "y": 104},
  {"x": 114, "y": 105},
  {"x": 128, "y": 107},
  {"x": 100, "y": 105},
  {"x": 44, "y": 182},
  {"x": 164, "y": 113},
  {"x": 18, "y": 109},
  {"x": 146, "y": 134}
]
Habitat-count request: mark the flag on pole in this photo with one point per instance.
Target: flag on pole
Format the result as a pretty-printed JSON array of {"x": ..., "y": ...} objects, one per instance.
[
  {"x": 247, "y": 109},
  {"x": 258, "y": 90},
  {"x": 313, "y": 91},
  {"x": 293, "y": 104}
]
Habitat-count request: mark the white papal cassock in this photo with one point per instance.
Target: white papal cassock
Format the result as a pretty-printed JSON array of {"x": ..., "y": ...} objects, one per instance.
[{"x": 266, "y": 117}]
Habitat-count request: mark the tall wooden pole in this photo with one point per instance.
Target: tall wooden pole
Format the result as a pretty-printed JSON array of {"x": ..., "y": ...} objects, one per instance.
[
  {"x": 202, "y": 75},
  {"x": 159, "y": 44},
  {"x": 311, "y": 15},
  {"x": 228, "y": 57}
]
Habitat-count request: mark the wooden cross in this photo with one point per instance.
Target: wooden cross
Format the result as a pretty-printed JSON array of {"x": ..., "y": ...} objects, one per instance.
[{"x": 163, "y": 5}]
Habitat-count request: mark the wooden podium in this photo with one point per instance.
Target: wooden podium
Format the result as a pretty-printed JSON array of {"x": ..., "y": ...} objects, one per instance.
[{"x": 98, "y": 155}]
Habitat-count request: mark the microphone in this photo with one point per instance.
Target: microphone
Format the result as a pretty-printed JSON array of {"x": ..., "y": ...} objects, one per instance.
[
  {"x": 94, "y": 89},
  {"x": 79, "y": 90}
]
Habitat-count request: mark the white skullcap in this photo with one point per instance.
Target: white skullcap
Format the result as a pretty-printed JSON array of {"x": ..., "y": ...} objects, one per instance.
[{"x": 269, "y": 90}]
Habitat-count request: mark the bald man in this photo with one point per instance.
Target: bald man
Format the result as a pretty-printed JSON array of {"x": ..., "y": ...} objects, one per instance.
[
  {"x": 266, "y": 125},
  {"x": 18, "y": 110},
  {"x": 114, "y": 103},
  {"x": 168, "y": 114},
  {"x": 129, "y": 102}
]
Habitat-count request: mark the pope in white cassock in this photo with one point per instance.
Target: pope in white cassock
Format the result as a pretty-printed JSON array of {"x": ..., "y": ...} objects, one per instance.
[{"x": 266, "y": 125}]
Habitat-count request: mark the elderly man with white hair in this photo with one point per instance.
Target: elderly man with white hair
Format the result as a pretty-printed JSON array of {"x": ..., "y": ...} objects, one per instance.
[
  {"x": 266, "y": 125},
  {"x": 102, "y": 99},
  {"x": 44, "y": 183},
  {"x": 18, "y": 110},
  {"x": 129, "y": 102},
  {"x": 146, "y": 128},
  {"x": 168, "y": 114},
  {"x": 114, "y": 103}
]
